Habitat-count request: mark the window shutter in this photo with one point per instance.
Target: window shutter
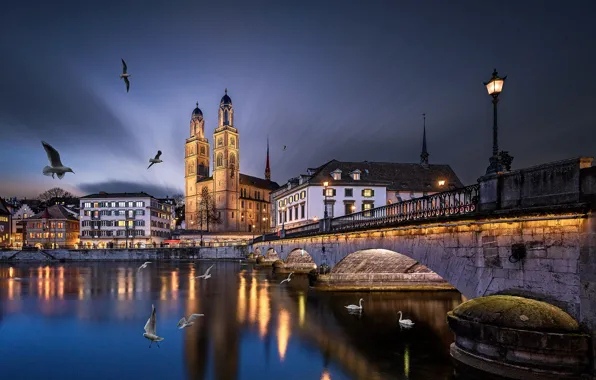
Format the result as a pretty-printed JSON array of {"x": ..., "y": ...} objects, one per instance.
[
  {"x": 333, "y": 192},
  {"x": 324, "y": 191},
  {"x": 372, "y": 192},
  {"x": 362, "y": 192}
]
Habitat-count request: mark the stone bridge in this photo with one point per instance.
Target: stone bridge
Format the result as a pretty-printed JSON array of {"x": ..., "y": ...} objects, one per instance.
[{"x": 529, "y": 232}]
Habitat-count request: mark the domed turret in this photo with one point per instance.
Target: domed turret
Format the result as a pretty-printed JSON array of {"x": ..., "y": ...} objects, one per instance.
[
  {"x": 197, "y": 113},
  {"x": 226, "y": 100}
]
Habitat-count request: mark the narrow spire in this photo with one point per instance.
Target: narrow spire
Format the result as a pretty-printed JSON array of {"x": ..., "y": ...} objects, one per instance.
[
  {"x": 226, "y": 90},
  {"x": 424, "y": 155},
  {"x": 197, "y": 104},
  {"x": 267, "y": 168}
]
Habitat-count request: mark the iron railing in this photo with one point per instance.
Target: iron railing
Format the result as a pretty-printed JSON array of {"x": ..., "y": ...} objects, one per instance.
[
  {"x": 448, "y": 203},
  {"x": 432, "y": 207},
  {"x": 304, "y": 230}
]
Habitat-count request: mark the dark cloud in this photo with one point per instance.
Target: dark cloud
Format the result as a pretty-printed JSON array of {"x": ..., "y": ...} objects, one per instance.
[
  {"x": 129, "y": 187},
  {"x": 46, "y": 98}
]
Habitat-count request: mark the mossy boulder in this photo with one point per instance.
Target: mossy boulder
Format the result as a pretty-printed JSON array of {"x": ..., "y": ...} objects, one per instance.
[
  {"x": 260, "y": 259},
  {"x": 517, "y": 313},
  {"x": 312, "y": 277},
  {"x": 278, "y": 264}
]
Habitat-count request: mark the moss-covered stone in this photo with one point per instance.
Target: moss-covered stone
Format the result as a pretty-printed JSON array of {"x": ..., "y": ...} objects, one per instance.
[
  {"x": 278, "y": 264},
  {"x": 518, "y": 313},
  {"x": 260, "y": 259}
]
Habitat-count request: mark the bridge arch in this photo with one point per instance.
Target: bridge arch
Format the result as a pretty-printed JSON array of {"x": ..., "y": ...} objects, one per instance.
[{"x": 271, "y": 255}]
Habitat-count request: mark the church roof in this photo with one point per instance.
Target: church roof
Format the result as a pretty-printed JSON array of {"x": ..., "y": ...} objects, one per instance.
[
  {"x": 251, "y": 181},
  {"x": 258, "y": 182},
  {"x": 399, "y": 176}
]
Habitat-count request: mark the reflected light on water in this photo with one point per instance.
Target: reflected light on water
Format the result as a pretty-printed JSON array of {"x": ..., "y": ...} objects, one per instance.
[
  {"x": 164, "y": 288},
  {"x": 407, "y": 362},
  {"x": 46, "y": 284},
  {"x": 121, "y": 280},
  {"x": 283, "y": 333},
  {"x": 264, "y": 312},
  {"x": 252, "y": 301},
  {"x": 325, "y": 375},
  {"x": 241, "y": 314},
  {"x": 175, "y": 284},
  {"x": 10, "y": 272},
  {"x": 61, "y": 282},
  {"x": 301, "y": 309},
  {"x": 191, "y": 284}
]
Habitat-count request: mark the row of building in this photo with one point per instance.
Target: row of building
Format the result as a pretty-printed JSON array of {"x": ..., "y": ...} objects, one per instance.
[{"x": 103, "y": 220}]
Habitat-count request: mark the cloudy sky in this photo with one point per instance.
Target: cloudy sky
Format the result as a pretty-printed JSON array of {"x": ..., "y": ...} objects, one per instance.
[{"x": 344, "y": 79}]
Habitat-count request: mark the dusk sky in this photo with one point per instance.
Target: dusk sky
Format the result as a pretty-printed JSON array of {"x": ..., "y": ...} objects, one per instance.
[{"x": 344, "y": 80}]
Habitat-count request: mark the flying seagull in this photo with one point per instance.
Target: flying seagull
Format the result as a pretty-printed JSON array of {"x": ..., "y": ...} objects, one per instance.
[
  {"x": 54, "y": 157},
  {"x": 287, "y": 279},
  {"x": 206, "y": 275},
  {"x": 150, "y": 332},
  {"x": 284, "y": 147},
  {"x": 144, "y": 265},
  {"x": 124, "y": 75},
  {"x": 188, "y": 322},
  {"x": 155, "y": 160}
]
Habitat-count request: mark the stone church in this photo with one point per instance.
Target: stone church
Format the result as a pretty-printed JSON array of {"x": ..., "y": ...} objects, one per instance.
[{"x": 240, "y": 201}]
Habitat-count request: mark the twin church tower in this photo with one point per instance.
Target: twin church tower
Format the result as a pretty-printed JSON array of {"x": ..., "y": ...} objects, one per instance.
[{"x": 236, "y": 202}]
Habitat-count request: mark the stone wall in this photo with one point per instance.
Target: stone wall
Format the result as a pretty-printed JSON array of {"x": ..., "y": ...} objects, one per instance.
[{"x": 233, "y": 252}]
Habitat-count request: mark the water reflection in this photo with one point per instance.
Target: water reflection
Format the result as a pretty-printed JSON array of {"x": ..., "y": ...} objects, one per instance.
[{"x": 246, "y": 312}]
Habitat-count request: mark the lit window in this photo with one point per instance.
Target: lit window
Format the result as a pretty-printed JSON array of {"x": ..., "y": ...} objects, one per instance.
[
  {"x": 302, "y": 194},
  {"x": 442, "y": 182},
  {"x": 329, "y": 192},
  {"x": 356, "y": 175},
  {"x": 336, "y": 176},
  {"x": 368, "y": 193}
]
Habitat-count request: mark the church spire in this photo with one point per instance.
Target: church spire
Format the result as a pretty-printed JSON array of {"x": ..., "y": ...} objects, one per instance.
[
  {"x": 424, "y": 154},
  {"x": 267, "y": 168}
]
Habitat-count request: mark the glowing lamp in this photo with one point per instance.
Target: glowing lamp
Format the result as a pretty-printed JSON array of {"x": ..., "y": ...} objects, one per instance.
[
  {"x": 442, "y": 182},
  {"x": 325, "y": 184},
  {"x": 495, "y": 85}
]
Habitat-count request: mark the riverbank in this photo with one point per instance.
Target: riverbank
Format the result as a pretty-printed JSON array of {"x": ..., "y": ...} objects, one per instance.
[{"x": 62, "y": 255}]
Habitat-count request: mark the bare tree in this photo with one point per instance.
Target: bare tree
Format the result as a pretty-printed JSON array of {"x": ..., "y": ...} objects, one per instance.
[
  {"x": 207, "y": 213},
  {"x": 179, "y": 207},
  {"x": 56, "y": 192}
]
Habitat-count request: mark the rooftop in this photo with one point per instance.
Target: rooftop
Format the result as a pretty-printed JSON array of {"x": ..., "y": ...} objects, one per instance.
[
  {"x": 398, "y": 176},
  {"x": 103, "y": 194},
  {"x": 55, "y": 212}
]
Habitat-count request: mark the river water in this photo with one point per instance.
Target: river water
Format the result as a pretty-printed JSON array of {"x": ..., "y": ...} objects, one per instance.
[{"x": 85, "y": 321}]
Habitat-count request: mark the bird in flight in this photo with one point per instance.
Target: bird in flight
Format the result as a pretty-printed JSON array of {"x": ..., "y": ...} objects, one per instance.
[
  {"x": 206, "y": 275},
  {"x": 188, "y": 322},
  {"x": 125, "y": 75},
  {"x": 150, "y": 329},
  {"x": 284, "y": 147},
  {"x": 155, "y": 160},
  {"x": 144, "y": 265},
  {"x": 57, "y": 167},
  {"x": 287, "y": 279}
]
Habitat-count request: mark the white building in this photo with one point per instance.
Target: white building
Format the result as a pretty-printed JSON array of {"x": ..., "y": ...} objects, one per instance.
[
  {"x": 124, "y": 219},
  {"x": 354, "y": 187}
]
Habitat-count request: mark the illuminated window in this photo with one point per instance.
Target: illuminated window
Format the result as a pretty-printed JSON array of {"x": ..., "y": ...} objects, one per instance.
[
  {"x": 329, "y": 192},
  {"x": 303, "y": 194},
  {"x": 202, "y": 150},
  {"x": 442, "y": 182},
  {"x": 232, "y": 141},
  {"x": 220, "y": 141},
  {"x": 290, "y": 200},
  {"x": 121, "y": 223},
  {"x": 219, "y": 161},
  {"x": 368, "y": 193},
  {"x": 367, "y": 206},
  {"x": 356, "y": 175}
]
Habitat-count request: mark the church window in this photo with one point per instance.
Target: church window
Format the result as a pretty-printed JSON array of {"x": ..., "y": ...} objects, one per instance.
[
  {"x": 232, "y": 141},
  {"x": 202, "y": 151},
  {"x": 242, "y": 204},
  {"x": 232, "y": 214},
  {"x": 232, "y": 160},
  {"x": 220, "y": 141},
  {"x": 226, "y": 117},
  {"x": 219, "y": 160}
]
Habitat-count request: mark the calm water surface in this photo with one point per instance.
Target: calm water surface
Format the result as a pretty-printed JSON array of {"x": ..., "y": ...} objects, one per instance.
[{"x": 85, "y": 321}]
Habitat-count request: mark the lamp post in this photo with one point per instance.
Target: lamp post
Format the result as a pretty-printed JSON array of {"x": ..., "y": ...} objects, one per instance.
[
  {"x": 325, "y": 185},
  {"x": 253, "y": 232},
  {"x": 283, "y": 218},
  {"x": 495, "y": 87}
]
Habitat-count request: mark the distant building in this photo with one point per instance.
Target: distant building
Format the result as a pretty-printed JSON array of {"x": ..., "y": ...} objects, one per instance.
[
  {"x": 171, "y": 203},
  {"x": 124, "y": 220},
  {"x": 5, "y": 224},
  {"x": 356, "y": 186},
  {"x": 54, "y": 227},
  {"x": 240, "y": 201},
  {"x": 19, "y": 225}
]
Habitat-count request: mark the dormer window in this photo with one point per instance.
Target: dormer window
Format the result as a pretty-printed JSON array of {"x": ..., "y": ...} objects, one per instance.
[
  {"x": 356, "y": 175},
  {"x": 336, "y": 174}
]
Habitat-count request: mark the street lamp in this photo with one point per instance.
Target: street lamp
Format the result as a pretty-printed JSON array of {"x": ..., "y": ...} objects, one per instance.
[
  {"x": 495, "y": 87},
  {"x": 325, "y": 184},
  {"x": 253, "y": 232}
]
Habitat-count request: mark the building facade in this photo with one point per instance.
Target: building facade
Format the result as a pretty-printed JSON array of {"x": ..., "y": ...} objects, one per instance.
[
  {"x": 54, "y": 227},
  {"x": 5, "y": 225},
  {"x": 120, "y": 220},
  {"x": 19, "y": 225},
  {"x": 226, "y": 201}
]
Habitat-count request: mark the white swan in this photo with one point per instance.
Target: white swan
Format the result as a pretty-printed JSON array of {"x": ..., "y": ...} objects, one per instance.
[
  {"x": 144, "y": 265},
  {"x": 287, "y": 279},
  {"x": 404, "y": 322},
  {"x": 354, "y": 307}
]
